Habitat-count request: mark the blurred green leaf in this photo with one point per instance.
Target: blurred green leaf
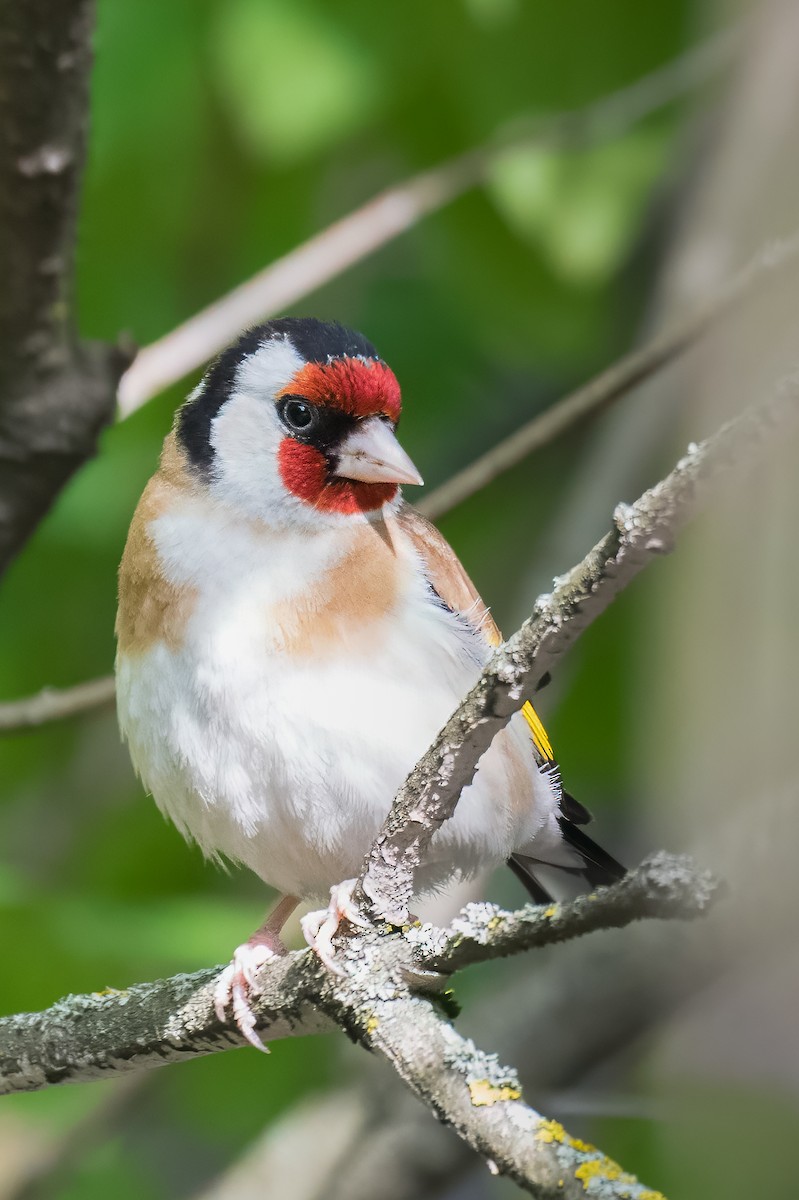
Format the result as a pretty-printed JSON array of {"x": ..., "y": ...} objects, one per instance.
[
  {"x": 581, "y": 211},
  {"x": 293, "y": 80}
]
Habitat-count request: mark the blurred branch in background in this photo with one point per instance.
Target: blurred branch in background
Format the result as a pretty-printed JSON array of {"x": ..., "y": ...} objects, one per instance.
[
  {"x": 594, "y": 397},
  {"x": 614, "y": 383},
  {"x": 43, "y": 1174},
  {"x": 56, "y": 392},
  {"x": 383, "y": 218},
  {"x": 54, "y": 704}
]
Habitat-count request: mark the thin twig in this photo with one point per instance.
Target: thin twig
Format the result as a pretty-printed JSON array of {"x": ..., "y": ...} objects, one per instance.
[
  {"x": 664, "y": 886},
  {"x": 641, "y": 532},
  {"x": 52, "y": 704},
  {"x": 392, "y": 212},
  {"x": 612, "y": 384}
]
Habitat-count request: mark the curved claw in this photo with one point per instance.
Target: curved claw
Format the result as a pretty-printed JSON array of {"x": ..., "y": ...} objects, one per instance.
[
  {"x": 236, "y": 986},
  {"x": 320, "y": 927}
]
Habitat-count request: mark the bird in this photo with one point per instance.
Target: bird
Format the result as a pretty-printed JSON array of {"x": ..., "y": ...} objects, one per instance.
[{"x": 291, "y": 636}]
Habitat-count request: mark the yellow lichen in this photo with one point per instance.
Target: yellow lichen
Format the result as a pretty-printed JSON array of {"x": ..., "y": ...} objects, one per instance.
[
  {"x": 372, "y": 1024},
  {"x": 609, "y": 1171},
  {"x": 597, "y": 1167},
  {"x": 648, "y": 1194},
  {"x": 550, "y": 912},
  {"x": 550, "y": 1131},
  {"x": 483, "y": 1092},
  {"x": 583, "y": 1147},
  {"x": 553, "y": 1131},
  {"x": 109, "y": 991}
]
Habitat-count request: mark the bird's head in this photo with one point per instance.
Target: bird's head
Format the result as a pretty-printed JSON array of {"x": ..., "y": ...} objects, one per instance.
[{"x": 294, "y": 424}]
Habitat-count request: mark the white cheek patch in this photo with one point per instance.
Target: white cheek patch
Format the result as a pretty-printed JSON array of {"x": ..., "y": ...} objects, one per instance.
[
  {"x": 246, "y": 433},
  {"x": 245, "y": 436}
]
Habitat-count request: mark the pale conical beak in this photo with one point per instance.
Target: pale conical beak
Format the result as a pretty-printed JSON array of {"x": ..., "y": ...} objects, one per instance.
[{"x": 372, "y": 454}]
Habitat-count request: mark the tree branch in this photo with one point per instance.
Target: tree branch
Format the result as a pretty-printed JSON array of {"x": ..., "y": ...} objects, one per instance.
[
  {"x": 392, "y": 212},
  {"x": 110, "y": 1032},
  {"x": 664, "y": 886},
  {"x": 56, "y": 392},
  {"x": 150, "y": 1024},
  {"x": 54, "y": 704},
  {"x": 641, "y": 532},
  {"x": 482, "y": 1100}
]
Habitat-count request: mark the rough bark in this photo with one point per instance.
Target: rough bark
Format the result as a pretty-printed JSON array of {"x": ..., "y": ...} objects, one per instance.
[{"x": 56, "y": 392}]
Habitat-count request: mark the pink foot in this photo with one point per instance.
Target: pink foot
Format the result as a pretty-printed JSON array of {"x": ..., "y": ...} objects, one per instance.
[
  {"x": 237, "y": 984},
  {"x": 319, "y": 928}
]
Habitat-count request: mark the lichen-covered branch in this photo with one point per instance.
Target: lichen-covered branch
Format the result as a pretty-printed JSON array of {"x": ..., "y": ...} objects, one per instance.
[
  {"x": 56, "y": 392},
  {"x": 378, "y": 1000},
  {"x": 109, "y": 1032},
  {"x": 482, "y": 1100},
  {"x": 663, "y": 886},
  {"x": 641, "y": 532}
]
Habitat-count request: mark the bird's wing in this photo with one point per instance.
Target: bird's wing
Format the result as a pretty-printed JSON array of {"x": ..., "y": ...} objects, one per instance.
[{"x": 455, "y": 589}]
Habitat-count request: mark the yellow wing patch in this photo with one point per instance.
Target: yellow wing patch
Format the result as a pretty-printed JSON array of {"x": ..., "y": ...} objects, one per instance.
[{"x": 542, "y": 742}]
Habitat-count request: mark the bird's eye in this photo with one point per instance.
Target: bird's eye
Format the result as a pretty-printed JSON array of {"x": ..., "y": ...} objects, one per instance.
[{"x": 298, "y": 414}]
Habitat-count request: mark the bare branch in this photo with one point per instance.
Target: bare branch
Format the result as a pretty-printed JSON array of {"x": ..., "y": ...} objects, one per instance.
[
  {"x": 372, "y": 1000},
  {"x": 56, "y": 393},
  {"x": 52, "y": 704},
  {"x": 392, "y": 212},
  {"x": 615, "y": 382},
  {"x": 641, "y": 532},
  {"x": 62, "y": 1154}
]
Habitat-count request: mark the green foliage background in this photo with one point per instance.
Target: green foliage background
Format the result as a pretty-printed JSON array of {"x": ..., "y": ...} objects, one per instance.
[{"x": 224, "y": 132}]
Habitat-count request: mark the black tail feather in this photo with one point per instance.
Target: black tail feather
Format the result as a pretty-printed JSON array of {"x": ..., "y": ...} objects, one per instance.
[
  {"x": 599, "y": 867},
  {"x": 522, "y": 869}
]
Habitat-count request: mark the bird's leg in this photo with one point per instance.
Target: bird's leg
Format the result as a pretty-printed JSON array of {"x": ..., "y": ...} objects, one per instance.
[
  {"x": 321, "y": 927},
  {"x": 237, "y": 983}
]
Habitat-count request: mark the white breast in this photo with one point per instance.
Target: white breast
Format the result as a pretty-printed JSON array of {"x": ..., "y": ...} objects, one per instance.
[{"x": 288, "y": 762}]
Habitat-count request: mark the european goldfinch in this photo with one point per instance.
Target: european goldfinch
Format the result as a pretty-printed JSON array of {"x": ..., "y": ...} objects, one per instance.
[{"x": 292, "y": 636}]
